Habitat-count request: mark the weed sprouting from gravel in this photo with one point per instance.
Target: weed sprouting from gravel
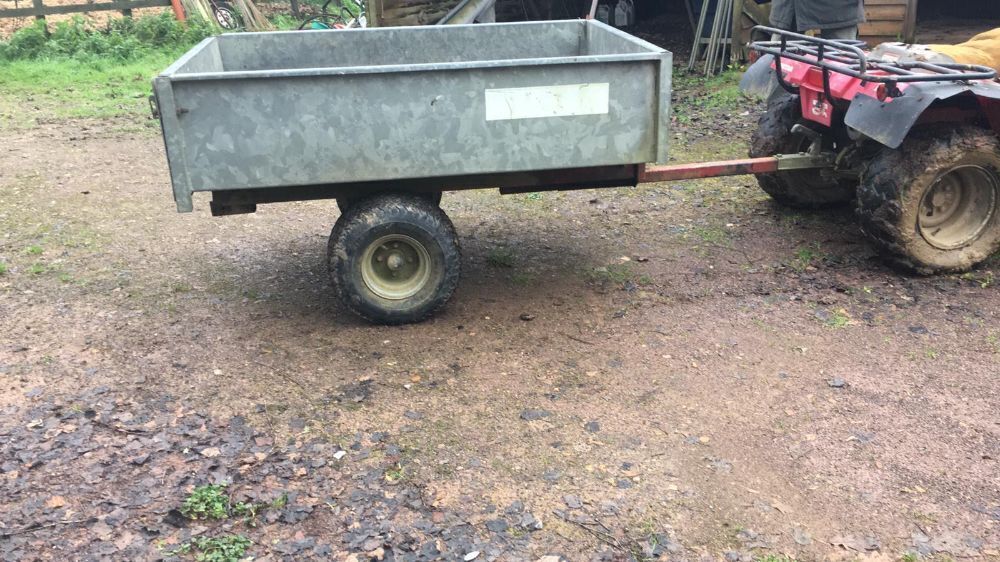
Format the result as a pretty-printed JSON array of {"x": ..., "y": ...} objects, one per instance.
[
  {"x": 207, "y": 502},
  {"x": 227, "y": 548},
  {"x": 3, "y": 268}
]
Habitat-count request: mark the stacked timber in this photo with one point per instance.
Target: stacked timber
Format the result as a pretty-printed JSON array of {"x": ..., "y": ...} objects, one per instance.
[{"x": 413, "y": 12}]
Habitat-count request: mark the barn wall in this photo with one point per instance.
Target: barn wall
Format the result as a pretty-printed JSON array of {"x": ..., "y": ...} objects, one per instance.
[{"x": 889, "y": 20}]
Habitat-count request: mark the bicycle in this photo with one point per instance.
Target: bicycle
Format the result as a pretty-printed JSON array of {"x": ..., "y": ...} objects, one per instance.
[{"x": 351, "y": 14}]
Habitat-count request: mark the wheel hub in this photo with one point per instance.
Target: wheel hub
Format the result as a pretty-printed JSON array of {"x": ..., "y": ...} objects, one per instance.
[
  {"x": 958, "y": 207},
  {"x": 395, "y": 267}
]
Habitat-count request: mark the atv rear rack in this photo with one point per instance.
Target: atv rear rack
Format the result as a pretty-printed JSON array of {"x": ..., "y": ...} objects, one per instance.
[{"x": 848, "y": 57}]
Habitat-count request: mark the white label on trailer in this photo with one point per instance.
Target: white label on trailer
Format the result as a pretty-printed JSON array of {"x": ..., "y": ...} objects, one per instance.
[{"x": 546, "y": 101}]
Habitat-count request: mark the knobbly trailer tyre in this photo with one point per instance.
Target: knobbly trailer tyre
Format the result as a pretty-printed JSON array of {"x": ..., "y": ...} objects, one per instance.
[
  {"x": 394, "y": 258},
  {"x": 801, "y": 189},
  {"x": 933, "y": 204},
  {"x": 345, "y": 203}
]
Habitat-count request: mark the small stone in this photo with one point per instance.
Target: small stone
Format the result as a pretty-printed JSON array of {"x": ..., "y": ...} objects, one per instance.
[
  {"x": 837, "y": 382},
  {"x": 471, "y": 556},
  {"x": 801, "y": 537},
  {"x": 339, "y": 455},
  {"x": 592, "y": 426},
  {"x": 497, "y": 525},
  {"x": 533, "y": 414},
  {"x": 551, "y": 475},
  {"x": 527, "y": 317},
  {"x": 572, "y": 502},
  {"x": 55, "y": 501},
  {"x": 210, "y": 452}
]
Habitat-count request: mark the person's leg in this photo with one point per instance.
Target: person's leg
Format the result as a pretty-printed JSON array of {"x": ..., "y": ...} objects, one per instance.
[{"x": 840, "y": 33}]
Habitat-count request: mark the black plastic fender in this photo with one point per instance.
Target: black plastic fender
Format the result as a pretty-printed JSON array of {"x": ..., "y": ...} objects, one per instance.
[{"x": 889, "y": 122}]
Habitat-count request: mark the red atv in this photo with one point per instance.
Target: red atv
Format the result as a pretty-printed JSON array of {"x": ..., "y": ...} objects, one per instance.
[{"x": 913, "y": 142}]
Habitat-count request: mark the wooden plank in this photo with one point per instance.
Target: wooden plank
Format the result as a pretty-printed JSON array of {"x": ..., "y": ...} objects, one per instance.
[
  {"x": 887, "y": 28},
  {"x": 40, "y": 11},
  {"x": 895, "y": 12},
  {"x": 874, "y": 40}
]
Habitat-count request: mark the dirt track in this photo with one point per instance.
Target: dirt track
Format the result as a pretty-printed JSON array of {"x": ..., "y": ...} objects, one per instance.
[
  {"x": 706, "y": 358},
  {"x": 702, "y": 366}
]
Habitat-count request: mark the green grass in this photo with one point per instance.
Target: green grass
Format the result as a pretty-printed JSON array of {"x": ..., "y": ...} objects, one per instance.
[
  {"x": 501, "y": 257},
  {"x": 718, "y": 93},
  {"x": 75, "y": 70},
  {"x": 64, "y": 88},
  {"x": 3, "y": 268},
  {"x": 805, "y": 257}
]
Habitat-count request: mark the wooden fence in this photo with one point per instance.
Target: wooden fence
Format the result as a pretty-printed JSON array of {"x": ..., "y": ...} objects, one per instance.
[{"x": 39, "y": 10}]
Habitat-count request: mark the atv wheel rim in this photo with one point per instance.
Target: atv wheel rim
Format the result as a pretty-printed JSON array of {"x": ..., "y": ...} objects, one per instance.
[
  {"x": 960, "y": 205},
  {"x": 395, "y": 267}
]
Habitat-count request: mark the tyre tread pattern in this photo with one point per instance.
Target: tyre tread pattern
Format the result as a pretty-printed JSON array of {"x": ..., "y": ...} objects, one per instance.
[{"x": 773, "y": 136}]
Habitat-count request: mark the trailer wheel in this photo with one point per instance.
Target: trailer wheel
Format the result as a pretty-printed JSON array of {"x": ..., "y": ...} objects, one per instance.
[
  {"x": 933, "y": 204},
  {"x": 345, "y": 203},
  {"x": 394, "y": 258},
  {"x": 807, "y": 189}
]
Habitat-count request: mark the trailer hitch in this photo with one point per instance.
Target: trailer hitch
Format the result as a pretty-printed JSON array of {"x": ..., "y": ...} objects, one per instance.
[
  {"x": 154, "y": 109},
  {"x": 815, "y": 139}
]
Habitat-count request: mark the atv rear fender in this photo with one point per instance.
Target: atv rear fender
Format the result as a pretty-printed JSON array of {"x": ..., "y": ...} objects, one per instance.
[{"x": 889, "y": 122}]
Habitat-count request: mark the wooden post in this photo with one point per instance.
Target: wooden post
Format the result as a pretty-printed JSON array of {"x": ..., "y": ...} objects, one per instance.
[
  {"x": 295, "y": 8},
  {"x": 178, "y": 10},
  {"x": 39, "y": 6},
  {"x": 910, "y": 23}
]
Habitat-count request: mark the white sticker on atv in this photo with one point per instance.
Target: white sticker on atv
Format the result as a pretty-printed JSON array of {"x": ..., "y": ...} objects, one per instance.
[{"x": 546, "y": 101}]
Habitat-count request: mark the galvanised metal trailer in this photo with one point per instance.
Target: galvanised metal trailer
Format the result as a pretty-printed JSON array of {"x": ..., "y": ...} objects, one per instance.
[{"x": 385, "y": 119}]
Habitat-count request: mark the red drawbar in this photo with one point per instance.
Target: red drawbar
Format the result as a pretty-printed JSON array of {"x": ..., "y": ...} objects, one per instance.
[{"x": 708, "y": 169}]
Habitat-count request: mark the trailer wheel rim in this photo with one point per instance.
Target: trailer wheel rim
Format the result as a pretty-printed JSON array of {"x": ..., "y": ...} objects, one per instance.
[
  {"x": 395, "y": 267},
  {"x": 959, "y": 207}
]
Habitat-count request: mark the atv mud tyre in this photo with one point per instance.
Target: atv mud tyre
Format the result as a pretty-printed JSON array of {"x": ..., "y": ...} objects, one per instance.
[
  {"x": 802, "y": 189},
  {"x": 933, "y": 204},
  {"x": 394, "y": 258}
]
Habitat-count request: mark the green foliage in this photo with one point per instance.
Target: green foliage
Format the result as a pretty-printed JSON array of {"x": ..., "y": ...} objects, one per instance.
[
  {"x": 125, "y": 39},
  {"x": 3, "y": 268},
  {"x": 227, "y": 548},
  {"x": 207, "y": 502}
]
